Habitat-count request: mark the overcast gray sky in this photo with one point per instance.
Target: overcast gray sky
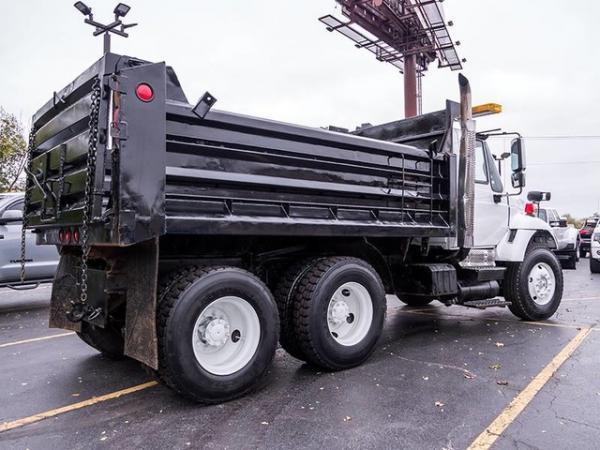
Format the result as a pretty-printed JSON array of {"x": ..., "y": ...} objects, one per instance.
[{"x": 272, "y": 58}]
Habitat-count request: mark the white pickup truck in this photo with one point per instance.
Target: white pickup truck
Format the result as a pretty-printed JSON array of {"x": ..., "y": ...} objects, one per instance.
[
  {"x": 566, "y": 237},
  {"x": 40, "y": 262},
  {"x": 595, "y": 250}
]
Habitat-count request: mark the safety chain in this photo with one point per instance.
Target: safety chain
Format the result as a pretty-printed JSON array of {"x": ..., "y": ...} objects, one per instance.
[
  {"x": 80, "y": 308},
  {"x": 30, "y": 147}
]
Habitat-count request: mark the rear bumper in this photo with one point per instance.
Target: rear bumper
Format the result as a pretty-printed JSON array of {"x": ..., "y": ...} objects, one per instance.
[{"x": 585, "y": 244}]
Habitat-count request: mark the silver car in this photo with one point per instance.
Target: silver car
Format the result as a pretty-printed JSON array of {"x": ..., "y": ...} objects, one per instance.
[{"x": 40, "y": 261}]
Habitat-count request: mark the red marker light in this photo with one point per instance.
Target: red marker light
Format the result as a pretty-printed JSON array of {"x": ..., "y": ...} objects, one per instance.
[
  {"x": 529, "y": 209},
  {"x": 144, "y": 92},
  {"x": 61, "y": 236},
  {"x": 67, "y": 237},
  {"x": 76, "y": 236}
]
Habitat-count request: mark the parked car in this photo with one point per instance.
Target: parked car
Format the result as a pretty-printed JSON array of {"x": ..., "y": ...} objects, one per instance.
[
  {"x": 566, "y": 237},
  {"x": 595, "y": 250},
  {"x": 40, "y": 261},
  {"x": 585, "y": 234}
]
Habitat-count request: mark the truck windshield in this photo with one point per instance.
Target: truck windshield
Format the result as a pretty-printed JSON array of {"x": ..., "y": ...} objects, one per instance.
[{"x": 542, "y": 215}]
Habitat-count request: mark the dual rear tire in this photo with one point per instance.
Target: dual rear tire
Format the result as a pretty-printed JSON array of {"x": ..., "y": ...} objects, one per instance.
[
  {"x": 332, "y": 311},
  {"x": 217, "y": 332},
  {"x": 218, "y": 327}
]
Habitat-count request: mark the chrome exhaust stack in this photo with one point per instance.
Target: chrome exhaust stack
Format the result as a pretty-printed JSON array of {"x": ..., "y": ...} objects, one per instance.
[{"x": 466, "y": 167}]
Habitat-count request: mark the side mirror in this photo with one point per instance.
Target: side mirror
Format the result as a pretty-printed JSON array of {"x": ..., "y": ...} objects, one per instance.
[
  {"x": 517, "y": 179},
  {"x": 562, "y": 223},
  {"x": 538, "y": 196},
  {"x": 11, "y": 215},
  {"x": 517, "y": 155}
]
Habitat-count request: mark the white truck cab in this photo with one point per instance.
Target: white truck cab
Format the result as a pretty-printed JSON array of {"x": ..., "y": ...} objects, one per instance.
[
  {"x": 501, "y": 225},
  {"x": 595, "y": 250}
]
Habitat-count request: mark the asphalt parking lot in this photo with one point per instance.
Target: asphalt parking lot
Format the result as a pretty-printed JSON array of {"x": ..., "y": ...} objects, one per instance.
[{"x": 440, "y": 378}]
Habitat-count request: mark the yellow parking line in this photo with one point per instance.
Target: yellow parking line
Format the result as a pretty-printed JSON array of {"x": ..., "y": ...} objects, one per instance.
[
  {"x": 65, "y": 409},
  {"x": 487, "y": 438},
  {"x": 43, "y": 338}
]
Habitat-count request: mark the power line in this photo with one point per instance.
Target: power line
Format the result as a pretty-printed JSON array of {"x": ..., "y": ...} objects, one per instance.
[
  {"x": 554, "y": 137},
  {"x": 564, "y": 137},
  {"x": 561, "y": 162}
]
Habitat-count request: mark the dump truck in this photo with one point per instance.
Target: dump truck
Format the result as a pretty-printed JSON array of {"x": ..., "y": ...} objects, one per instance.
[{"x": 194, "y": 240}]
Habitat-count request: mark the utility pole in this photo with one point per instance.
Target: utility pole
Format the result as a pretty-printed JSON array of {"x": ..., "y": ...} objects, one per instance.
[{"x": 410, "y": 85}]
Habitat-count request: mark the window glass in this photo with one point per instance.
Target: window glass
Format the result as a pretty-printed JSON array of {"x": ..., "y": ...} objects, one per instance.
[
  {"x": 480, "y": 170},
  {"x": 493, "y": 173},
  {"x": 542, "y": 215}
]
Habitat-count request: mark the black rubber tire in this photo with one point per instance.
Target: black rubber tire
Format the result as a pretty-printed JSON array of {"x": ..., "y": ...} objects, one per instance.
[
  {"x": 284, "y": 296},
  {"x": 181, "y": 302},
  {"x": 571, "y": 263},
  {"x": 107, "y": 341},
  {"x": 594, "y": 265},
  {"x": 311, "y": 301},
  {"x": 415, "y": 300},
  {"x": 515, "y": 285},
  {"x": 582, "y": 253}
]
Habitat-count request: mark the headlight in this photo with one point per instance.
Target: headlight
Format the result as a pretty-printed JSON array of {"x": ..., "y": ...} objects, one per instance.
[{"x": 596, "y": 237}]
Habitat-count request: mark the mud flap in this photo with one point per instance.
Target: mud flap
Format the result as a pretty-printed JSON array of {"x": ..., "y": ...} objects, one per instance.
[
  {"x": 141, "y": 261},
  {"x": 138, "y": 265},
  {"x": 64, "y": 290}
]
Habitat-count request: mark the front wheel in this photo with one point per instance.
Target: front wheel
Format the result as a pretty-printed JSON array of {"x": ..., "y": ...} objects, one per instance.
[
  {"x": 218, "y": 331},
  {"x": 594, "y": 265},
  {"x": 535, "y": 286},
  {"x": 571, "y": 263}
]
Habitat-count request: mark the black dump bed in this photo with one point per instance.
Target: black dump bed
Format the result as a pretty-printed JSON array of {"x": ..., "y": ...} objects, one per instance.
[{"x": 157, "y": 168}]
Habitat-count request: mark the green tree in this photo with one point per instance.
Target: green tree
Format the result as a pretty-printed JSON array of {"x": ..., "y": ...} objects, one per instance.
[
  {"x": 13, "y": 148},
  {"x": 572, "y": 220}
]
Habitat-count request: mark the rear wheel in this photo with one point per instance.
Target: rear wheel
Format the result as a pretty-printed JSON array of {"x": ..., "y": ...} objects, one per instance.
[
  {"x": 217, "y": 330},
  {"x": 534, "y": 286},
  {"x": 339, "y": 310},
  {"x": 108, "y": 341},
  {"x": 284, "y": 297},
  {"x": 594, "y": 265},
  {"x": 581, "y": 253}
]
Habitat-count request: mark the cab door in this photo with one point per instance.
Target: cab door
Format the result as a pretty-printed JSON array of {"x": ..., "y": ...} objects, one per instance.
[{"x": 491, "y": 208}]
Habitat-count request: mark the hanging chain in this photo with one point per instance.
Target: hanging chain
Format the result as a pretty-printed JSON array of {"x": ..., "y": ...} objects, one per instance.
[
  {"x": 29, "y": 156},
  {"x": 80, "y": 308}
]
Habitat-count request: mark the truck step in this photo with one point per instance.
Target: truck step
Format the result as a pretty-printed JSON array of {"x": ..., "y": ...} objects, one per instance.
[{"x": 487, "y": 303}]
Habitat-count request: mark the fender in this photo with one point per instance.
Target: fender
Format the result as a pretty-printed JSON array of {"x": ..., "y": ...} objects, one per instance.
[{"x": 523, "y": 229}]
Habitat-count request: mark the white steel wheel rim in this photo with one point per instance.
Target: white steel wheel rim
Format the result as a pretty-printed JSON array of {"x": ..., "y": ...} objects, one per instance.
[
  {"x": 226, "y": 335},
  {"x": 541, "y": 283},
  {"x": 350, "y": 313}
]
